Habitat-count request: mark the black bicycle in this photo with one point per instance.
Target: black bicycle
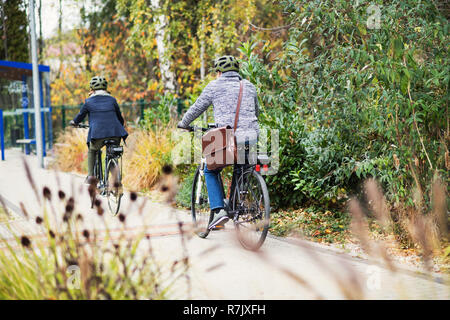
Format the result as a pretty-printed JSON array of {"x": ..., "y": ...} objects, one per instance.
[
  {"x": 109, "y": 181},
  {"x": 248, "y": 202}
]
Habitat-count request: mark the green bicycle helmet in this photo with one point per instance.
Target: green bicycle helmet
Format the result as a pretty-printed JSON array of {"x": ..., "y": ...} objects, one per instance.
[
  {"x": 226, "y": 63},
  {"x": 98, "y": 83}
]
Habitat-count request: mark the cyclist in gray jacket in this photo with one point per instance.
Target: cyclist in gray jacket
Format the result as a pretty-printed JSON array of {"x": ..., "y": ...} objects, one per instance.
[{"x": 222, "y": 94}]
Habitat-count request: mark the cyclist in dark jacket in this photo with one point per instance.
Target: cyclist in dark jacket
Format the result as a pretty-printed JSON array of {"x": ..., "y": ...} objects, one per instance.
[{"x": 105, "y": 120}]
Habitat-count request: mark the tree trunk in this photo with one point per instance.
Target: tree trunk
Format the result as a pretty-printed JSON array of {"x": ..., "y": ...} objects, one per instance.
[
  {"x": 28, "y": 33},
  {"x": 5, "y": 38},
  {"x": 60, "y": 40},
  {"x": 202, "y": 52},
  {"x": 202, "y": 63},
  {"x": 41, "y": 39},
  {"x": 162, "y": 38}
]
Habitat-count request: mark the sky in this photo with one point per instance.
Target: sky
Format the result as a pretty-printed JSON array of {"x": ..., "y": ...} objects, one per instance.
[{"x": 50, "y": 15}]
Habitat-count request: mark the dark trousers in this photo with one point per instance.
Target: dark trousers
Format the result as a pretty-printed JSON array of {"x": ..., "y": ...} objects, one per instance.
[{"x": 94, "y": 146}]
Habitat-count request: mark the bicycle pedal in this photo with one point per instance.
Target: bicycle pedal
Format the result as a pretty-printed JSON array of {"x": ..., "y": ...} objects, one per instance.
[{"x": 218, "y": 227}]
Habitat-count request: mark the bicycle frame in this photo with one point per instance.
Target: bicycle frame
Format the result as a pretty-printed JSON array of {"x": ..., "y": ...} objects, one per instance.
[
  {"x": 199, "y": 186},
  {"x": 101, "y": 175},
  {"x": 234, "y": 185}
]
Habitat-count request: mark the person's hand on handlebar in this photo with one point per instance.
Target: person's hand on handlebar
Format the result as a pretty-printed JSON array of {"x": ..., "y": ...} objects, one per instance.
[
  {"x": 79, "y": 125},
  {"x": 180, "y": 125}
]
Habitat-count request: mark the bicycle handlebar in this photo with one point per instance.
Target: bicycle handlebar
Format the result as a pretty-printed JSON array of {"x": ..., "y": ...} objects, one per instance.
[
  {"x": 195, "y": 128},
  {"x": 81, "y": 125}
]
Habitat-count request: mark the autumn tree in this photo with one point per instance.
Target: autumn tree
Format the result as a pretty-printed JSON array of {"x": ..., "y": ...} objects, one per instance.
[
  {"x": 13, "y": 30},
  {"x": 195, "y": 32},
  {"x": 162, "y": 47},
  {"x": 99, "y": 46}
]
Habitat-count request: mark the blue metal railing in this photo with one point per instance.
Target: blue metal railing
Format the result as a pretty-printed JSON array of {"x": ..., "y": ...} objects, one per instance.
[
  {"x": 2, "y": 136},
  {"x": 46, "y": 133}
]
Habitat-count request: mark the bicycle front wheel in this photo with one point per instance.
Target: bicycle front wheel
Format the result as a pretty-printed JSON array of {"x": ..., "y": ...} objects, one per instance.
[
  {"x": 93, "y": 187},
  {"x": 114, "y": 189},
  {"x": 251, "y": 201},
  {"x": 201, "y": 213}
]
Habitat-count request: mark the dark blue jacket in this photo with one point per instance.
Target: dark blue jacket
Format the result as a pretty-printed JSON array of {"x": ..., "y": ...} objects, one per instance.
[{"x": 105, "y": 119}]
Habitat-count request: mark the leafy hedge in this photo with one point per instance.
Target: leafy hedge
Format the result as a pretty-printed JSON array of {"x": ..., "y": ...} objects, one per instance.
[{"x": 352, "y": 102}]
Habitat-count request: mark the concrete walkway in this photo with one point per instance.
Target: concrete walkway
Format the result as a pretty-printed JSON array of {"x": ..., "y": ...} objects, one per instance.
[{"x": 220, "y": 267}]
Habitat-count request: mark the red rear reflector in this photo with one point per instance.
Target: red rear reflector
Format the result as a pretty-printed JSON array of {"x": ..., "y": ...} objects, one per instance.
[
  {"x": 257, "y": 168},
  {"x": 265, "y": 167}
]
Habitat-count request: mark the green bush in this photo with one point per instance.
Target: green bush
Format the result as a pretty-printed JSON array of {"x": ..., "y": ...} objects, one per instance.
[
  {"x": 352, "y": 102},
  {"x": 183, "y": 197},
  {"x": 159, "y": 114}
]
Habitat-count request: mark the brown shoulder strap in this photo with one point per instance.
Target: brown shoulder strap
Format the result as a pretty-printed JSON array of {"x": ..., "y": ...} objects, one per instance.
[{"x": 236, "y": 118}]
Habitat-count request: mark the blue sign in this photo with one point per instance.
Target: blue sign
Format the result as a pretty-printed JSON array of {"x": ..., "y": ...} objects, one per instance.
[{"x": 24, "y": 102}]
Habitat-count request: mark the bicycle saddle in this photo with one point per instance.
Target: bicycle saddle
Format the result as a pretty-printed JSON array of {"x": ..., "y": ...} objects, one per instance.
[{"x": 110, "y": 142}]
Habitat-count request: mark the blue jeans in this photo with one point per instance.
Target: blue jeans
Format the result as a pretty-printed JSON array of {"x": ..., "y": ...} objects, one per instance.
[
  {"x": 214, "y": 187},
  {"x": 212, "y": 178}
]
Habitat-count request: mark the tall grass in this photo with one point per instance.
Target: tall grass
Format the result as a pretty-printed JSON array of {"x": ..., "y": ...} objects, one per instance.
[
  {"x": 425, "y": 231},
  {"x": 64, "y": 257},
  {"x": 428, "y": 232},
  {"x": 70, "y": 151},
  {"x": 147, "y": 152}
]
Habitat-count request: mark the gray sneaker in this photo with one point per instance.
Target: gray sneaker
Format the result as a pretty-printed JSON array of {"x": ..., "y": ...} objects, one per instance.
[{"x": 219, "y": 218}]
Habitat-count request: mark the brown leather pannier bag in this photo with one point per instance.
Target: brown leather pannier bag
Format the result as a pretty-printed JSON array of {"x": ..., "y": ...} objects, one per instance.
[{"x": 219, "y": 145}]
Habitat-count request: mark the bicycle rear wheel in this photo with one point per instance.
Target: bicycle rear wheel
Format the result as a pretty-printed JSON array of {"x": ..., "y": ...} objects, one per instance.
[
  {"x": 251, "y": 200},
  {"x": 201, "y": 213},
  {"x": 114, "y": 189},
  {"x": 93, "y": 187}
]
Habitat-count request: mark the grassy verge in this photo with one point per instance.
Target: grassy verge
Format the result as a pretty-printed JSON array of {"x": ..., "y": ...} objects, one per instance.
[
  {"x": 312, "y": 224},
  {"x": 377, "y": 226},
  {"x": 335, "y": 228}
]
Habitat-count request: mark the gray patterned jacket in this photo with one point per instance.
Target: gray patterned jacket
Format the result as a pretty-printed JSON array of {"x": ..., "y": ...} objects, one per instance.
[{"x": 223, "y": 94}]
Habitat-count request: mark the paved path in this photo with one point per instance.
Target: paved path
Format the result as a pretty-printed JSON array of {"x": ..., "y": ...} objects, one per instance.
[{"x": 220, "y": 268}]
